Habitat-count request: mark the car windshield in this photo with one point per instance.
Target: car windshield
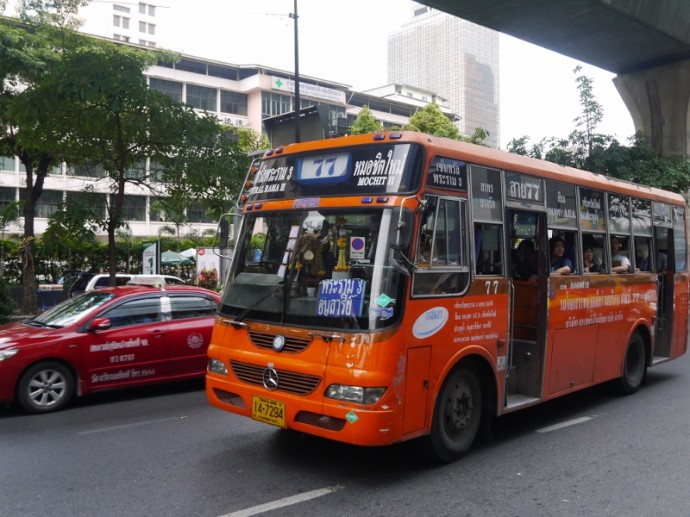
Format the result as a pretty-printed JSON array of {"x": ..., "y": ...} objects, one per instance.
[
  {"x": 72, "y": 310},
  {"x": 325, "y": 268}
]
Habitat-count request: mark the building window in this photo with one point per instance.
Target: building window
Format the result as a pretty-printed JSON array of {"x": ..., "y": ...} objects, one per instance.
[
  {"x": 187, "y": 65},
  {"x": 142, "y": 26},
  {"x": 48, "y": 203},
  {"x": 120, "y": 8},
  {"x": 125, "y": 23},
  {"x": 273, "y": 104},
  {"x": 94, "y": 200},
  {"x": 152, "y": 28},
  {"x": 169, "y": 88},
  {"x": 197, "y": 214},
  {"x": 136, "y": 171},
  {"x": 7, "y": 163},
  {"x": 202, "y": 98},
  {"x": 87, "y": 170},
  {"x": 134, "y": 208},
  {"x": 144, "y": 8},
  {"x": 233, "y": 102},
  {"x": 7, "y": 195},
  {"x": 116, "y": 20}
]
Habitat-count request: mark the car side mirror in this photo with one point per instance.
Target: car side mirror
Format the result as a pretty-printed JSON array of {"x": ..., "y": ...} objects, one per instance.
[{"x": 100, "y": 324}]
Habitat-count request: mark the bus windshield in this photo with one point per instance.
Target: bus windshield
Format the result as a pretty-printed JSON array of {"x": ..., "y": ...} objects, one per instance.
[{"x": 325, "y": 268}]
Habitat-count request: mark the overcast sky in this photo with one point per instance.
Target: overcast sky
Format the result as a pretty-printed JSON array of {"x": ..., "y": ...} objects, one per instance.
[{"x": 346, "y": 42}]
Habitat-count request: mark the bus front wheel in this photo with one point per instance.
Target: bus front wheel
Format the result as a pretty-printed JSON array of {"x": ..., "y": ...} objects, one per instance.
[
  {"x": 634, "y": 366},
  {"x": 457, "y": 414}
]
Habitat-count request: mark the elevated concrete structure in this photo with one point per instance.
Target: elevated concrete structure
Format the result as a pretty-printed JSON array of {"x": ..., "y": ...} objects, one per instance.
[{"x": 646, "y": 42}]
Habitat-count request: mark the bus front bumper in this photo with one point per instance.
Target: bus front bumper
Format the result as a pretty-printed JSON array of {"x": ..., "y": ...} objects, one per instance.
[{"x": 355, "y": 424}]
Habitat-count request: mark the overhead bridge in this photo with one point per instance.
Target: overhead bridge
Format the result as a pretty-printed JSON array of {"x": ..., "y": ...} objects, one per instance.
[{"x": 645, "y": 42}]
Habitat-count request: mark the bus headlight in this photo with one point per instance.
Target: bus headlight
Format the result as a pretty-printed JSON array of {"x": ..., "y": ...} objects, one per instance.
[
  {"x": 7, "y": 353},
  {"x": 217, "y": 366},
  {"x": 354, "y": 393}
]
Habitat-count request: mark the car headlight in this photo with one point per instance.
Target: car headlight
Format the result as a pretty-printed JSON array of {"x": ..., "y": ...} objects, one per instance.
[
  {"x": 7, "y": 353},
  {"x": 354, "y": 393},
  {"x": 217, "y": 366}
]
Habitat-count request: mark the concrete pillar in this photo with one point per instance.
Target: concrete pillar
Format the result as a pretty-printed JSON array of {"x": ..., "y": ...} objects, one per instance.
[{"x": 658, "y": 100}]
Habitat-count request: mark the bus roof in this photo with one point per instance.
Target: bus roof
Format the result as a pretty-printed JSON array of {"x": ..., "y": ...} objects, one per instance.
[{"x": 489, "y": 157}]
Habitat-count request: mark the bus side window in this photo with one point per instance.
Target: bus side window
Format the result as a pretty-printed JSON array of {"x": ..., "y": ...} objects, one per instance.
[{"x": 488, "y": 249}]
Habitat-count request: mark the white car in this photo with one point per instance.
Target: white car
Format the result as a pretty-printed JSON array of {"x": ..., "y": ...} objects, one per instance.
[{"x": 90, "y": 282}]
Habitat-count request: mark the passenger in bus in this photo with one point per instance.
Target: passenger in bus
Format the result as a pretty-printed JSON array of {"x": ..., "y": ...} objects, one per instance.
[
  {"x": 661, "y": 262},
  {"x": 525, "y": 267},
  {"x": 642, "y": 262},
  {"x": 589, "y": 261},
  {"x": 560, "y": 264},
  {"x": 619, "y": 262}
]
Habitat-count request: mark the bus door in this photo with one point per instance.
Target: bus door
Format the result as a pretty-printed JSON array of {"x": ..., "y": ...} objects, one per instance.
[
  {"x": 529, "y": 277},
  {"x": 665, "y": 268}
]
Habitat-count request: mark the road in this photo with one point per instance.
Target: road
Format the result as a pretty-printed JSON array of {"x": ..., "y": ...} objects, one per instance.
[{"x": 164, "y": 452}]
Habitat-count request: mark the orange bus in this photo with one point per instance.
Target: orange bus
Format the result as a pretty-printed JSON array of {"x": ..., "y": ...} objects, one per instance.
[{"x": 397, "y": 286}]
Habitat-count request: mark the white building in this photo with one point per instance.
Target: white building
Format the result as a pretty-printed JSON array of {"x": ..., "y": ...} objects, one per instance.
[
  {"x": 239, "y": 95},
  {"x": 131, "y": 22},
  {"x": 454, "y": 58}
]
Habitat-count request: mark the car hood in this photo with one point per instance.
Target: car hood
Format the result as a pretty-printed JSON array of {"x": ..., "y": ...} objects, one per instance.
[{"x": 21, "y": 334}]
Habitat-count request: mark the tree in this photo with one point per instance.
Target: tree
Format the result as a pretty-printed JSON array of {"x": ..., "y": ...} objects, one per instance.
[
  {"x": 143, "y": 140},
  {"x": 430, "y": 119},
  {"x": 585, "y": 148},
  {"x": 365, "y": 123},
  {"x": 9, "y": 214},
  {"x": 27, "y": 55}
]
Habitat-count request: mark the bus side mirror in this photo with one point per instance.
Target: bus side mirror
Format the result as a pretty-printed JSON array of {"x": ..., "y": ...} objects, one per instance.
[{"x": 224, "y": 233}]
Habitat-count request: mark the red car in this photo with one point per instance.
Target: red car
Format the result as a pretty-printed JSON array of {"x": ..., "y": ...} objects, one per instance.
[{"x": 108, "y": 338}]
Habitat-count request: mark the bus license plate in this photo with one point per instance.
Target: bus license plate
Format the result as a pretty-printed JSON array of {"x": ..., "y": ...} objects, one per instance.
[{"x": 268, "y": 411}]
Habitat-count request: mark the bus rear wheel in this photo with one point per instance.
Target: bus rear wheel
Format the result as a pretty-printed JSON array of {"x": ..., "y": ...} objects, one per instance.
[
  {"x": 457, "y": 414},
  {"x": 634, "y": 366}
]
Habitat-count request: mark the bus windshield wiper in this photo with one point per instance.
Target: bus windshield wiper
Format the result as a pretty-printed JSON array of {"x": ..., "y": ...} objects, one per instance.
[{"x": 237, "y": 322}]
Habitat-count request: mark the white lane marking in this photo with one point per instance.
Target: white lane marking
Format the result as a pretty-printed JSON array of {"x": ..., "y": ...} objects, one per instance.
[
  {"x": 567, "y": 423},
  {"x": 125, "y": 426},
  {"x": 281, "y": 503}
]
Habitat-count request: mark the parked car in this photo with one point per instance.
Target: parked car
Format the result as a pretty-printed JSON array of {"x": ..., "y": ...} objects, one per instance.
[
  {"x": 107, "y": 338},
  {"x": 90, "y": 281}
]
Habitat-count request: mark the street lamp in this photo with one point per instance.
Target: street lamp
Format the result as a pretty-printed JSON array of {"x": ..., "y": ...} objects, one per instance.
[{"x": 297, "y": 99}]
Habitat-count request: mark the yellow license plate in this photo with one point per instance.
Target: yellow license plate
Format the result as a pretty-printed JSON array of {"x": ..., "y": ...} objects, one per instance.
[{"x": 268, "y": 411}]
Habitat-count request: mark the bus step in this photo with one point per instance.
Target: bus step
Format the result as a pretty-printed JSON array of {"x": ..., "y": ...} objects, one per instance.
[
  {"x": 658, "y": 359},
  {"x": 517, "y": 400}
]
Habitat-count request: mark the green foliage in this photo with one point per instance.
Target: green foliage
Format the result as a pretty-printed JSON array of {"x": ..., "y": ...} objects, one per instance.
[
  {"x": 257, "y": 242},
  {"x": 430, "y": 119},
  {"x": 7, "y": 306},
  {"x": 477, "y": 137},
  {"x": 365, "y": 123},
  {"x": 585, "y": 148}
]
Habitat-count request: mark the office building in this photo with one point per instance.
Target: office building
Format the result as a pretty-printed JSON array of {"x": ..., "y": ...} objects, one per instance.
[{"x": 454, "y": 58}]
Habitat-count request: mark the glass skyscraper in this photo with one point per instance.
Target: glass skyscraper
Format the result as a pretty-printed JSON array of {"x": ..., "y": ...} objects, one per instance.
[{"x": 454, "y": 58}]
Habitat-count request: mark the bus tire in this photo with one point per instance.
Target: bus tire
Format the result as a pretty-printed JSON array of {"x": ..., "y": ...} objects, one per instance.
[
  {"x": 45, "y": 387},
  {"x": 634, "y": 366},
  {"x": 457, "y": 415}
]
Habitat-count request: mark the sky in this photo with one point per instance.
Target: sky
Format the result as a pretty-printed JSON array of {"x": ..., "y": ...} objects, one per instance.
[{"x": 346, "y": 42}]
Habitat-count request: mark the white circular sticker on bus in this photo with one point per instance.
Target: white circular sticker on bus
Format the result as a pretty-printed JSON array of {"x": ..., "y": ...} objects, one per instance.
[{"x": 430, "y": 322}]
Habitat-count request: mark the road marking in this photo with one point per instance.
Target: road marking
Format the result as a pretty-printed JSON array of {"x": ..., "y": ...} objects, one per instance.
[
  {"x": 125, "y": 426},
  {"x": 281, "y": 503},
  {"x": 567, "y": 423}
]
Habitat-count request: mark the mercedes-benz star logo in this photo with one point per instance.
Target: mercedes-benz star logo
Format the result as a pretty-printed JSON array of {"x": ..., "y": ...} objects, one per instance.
[{"x": 270, "y": 379}]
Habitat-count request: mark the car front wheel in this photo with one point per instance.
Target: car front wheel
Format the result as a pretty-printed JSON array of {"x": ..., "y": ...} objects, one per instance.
[{"x": 45, "y": 387}]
